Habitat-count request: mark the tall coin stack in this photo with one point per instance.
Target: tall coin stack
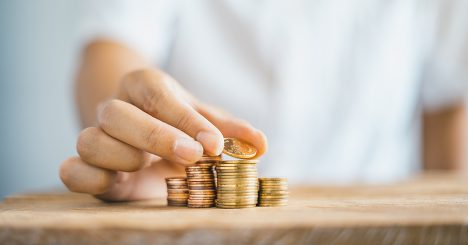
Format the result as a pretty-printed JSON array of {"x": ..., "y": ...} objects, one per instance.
[
  {"x": 273, "y": 192},
  {"x": 237, "y": 184},
  {"x": 201, "y": 183},
  {"x": 177, "y": 191}
]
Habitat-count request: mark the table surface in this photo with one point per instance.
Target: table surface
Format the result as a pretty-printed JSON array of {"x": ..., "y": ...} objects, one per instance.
[{"x": 428, "y": 209}]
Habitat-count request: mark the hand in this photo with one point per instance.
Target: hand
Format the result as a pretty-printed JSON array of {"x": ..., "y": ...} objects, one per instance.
[{"x": 151, "y": 124}]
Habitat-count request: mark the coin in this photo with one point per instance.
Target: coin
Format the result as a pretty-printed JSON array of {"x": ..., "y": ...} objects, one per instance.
[
  {"x": 177, "y": 191},
  {"x": 237, "y": 162},
  {"x": 206, "y": 158},
  {"x": 201, "y": 183},
  {"x": 238, "y": 148},
  {"x": 273, "y": 192},
  {"x": 218, "y": 205}
]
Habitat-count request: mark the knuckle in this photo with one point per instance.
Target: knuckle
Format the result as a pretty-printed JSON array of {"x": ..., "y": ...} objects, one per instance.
[
  {"x": 157, "y": 91},
  {"x": 185, "y": 121},
  {"x": 152, "y": 137},
  {"x": 153, "y": 98}
]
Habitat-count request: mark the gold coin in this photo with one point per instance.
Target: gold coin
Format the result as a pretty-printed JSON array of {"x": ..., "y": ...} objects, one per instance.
[
  {"x": 223, "y": 183},
  {"x": 236, "y": 199},
  {"x": 273, "y": 179},
  {"x": 235, "y": 171},
  {"x": 237, "y": 184},
  {"x": 222, "y": 190},
  {"x": 201, "y": 167},
  {"x": 202, "y": 192},
  {"x": 234, "y": 180},
  {"x": 177, "y": 199},
  {"x": 208, "y": 165},
  {"x": 201, "y": 206},
  {"x": 178, "y": 194},
  {"x": 201, "y": 201},
  {"x": 235, "y": 190},
  {"x": 176, "y": 178},
  {"x": 210, "y": 158},
  {"x": 202, "y": 188},
  {"x": 191, "y": 175},
  {"x": 238, "y": 178},
  {"x": 200, "y": 180},
  {"x": 211, "y": 201},
  {"x": 235, "y": 206},
  {"x": 228, "y": 194},
  {"x": 199, "y": 171},
  {"x": 249, "y": 178},
  {"x": 238, "y": 148},
  {"x": 237, "y": 162},
  {"x": 233, "y": 201}
]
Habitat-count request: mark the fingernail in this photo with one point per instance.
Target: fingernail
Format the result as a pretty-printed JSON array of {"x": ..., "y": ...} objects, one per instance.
[
  {"x": 188, "y": 149},
  {"x": 211, "y": 142}
]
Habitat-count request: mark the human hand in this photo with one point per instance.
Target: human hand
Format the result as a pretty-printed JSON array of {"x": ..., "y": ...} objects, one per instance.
[{"x": 150, "y": 124}]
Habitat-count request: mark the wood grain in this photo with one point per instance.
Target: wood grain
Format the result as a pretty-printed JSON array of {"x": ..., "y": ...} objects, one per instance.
[{"x": 429, "y": 209}]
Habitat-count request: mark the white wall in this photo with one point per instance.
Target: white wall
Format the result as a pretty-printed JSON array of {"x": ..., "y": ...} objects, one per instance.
[{"x": 37, "y": 117}]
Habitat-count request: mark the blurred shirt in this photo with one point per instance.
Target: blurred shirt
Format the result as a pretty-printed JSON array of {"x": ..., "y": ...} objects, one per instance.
[{"x": 337, "y": 86}]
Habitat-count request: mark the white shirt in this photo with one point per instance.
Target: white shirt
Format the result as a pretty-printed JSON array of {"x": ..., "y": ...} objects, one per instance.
[{"x": 337, "y": 86}]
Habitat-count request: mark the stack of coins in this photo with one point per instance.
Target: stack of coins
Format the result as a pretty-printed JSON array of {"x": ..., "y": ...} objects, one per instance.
[
  {"x": 237, "y": 184},
  {"x": 201, "y": 184},
  {"x": 273, "y": 192},
  {"x": 177, "y": 191}
]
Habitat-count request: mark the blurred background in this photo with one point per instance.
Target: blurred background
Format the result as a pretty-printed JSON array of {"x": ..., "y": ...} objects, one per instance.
[
  {"x": 38, "y": 128},
  {"x": 38, "y": 125}
]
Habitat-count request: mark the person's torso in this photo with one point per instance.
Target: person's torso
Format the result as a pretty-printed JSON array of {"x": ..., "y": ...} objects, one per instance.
[{"x": 335, "y": 86}]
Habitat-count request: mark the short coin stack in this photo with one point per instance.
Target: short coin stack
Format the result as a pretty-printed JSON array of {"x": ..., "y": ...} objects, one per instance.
[
  {"x": 177, "y": 191},
  {"x": 273, "y": 192},
  {"x": 201, "y": 184},
  {"x": 237, "y": 184}
]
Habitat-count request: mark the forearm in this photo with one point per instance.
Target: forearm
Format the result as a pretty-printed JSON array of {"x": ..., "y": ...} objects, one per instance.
[
  {"x": 445, "y": 139},
  {"x": 103, "y": 64}
]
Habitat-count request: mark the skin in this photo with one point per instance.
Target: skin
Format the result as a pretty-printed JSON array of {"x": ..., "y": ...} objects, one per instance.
[
  {"x": 445, "y": 139},
  {"x": 140, "y": 127}
]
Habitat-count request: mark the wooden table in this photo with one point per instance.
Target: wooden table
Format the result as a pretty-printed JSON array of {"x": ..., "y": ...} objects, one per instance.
[{"x": 429, "y": 209}]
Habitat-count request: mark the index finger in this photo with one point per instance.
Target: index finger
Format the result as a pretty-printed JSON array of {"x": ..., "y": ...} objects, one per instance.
[{"x": 159, "y": 95}]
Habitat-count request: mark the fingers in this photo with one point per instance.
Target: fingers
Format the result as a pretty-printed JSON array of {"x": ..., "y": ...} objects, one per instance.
[
  {"x": 101, "y": 150},
  {"x": 160, "y": 96},
  {"x": 235, "y": 128},
  {"x": 129, "y": 124},
  {"x": 79, "y": 176}
]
